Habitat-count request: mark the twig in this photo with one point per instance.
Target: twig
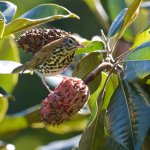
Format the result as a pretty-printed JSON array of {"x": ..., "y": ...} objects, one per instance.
[{"x": 96, "y": 71}]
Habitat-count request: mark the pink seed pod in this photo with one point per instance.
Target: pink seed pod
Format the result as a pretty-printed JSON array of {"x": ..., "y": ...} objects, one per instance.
[{"x": 65, "y": 101}]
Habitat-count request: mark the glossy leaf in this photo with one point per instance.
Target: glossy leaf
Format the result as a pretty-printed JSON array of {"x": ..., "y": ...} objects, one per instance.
[
  {"x": 38, "y": 15},
  {"x": 130, "y": 16},
  {"x": 8, "y": 51},
  {"x": 90, "y": 47},
  {"x": 8, "y": 9},
  {"x": 137, "y": 65},
  {"x": 85, "y": 66},
  {"x": 117, "y": 23},
  {"x": 117, "y": 10},
  {"x": 141, "y": 38},
  {"x": 93, "y": 137},
  {"x": 135, "y": 70},
  {"x": 113, "y": 145},
  {"x": 6, "y": 67},
  {"x": 93, "y": 97},
  {"x": 141, "y": 52},
  {"x": 128, "y": 115},
  {"x": 109, "y": 90}
]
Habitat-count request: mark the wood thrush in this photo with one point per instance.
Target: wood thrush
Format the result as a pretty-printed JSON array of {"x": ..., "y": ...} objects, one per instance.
[{"x": 52, "y": 58}]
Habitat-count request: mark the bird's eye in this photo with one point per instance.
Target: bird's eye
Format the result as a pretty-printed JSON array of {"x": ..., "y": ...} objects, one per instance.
[{"x": 70, "y": 41}]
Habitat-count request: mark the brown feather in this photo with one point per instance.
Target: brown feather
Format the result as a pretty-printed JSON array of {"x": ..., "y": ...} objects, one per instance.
[{"x": 43, "y": 54}]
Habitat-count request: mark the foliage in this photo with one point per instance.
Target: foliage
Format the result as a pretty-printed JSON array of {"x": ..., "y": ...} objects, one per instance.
[{"x": 118, "y": 117}]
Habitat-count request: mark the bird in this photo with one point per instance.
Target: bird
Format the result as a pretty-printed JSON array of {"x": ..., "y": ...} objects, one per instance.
[{"x": 52, "y": 58}]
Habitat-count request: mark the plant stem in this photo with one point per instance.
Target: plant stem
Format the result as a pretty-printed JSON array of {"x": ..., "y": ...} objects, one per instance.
[{"x": 96, "y": 71}]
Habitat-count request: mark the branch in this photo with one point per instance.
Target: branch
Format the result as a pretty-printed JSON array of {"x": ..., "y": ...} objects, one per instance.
[{"x": 96, "y": 71}]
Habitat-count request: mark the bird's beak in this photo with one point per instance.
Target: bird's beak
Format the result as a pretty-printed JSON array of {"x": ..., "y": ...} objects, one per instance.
[{"x": 81, "y": 46}]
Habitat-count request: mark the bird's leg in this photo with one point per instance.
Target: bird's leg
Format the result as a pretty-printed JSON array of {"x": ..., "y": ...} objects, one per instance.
[{"x": 44, "y": 82}]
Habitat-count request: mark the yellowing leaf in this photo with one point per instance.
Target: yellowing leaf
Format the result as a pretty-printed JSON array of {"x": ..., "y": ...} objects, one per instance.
[
  {"x": 141, "y": 38},
  {"x": 130, "y": 16}
]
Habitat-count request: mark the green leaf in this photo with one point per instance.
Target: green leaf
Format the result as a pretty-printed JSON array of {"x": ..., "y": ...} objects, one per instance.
[
  {"x": 137, "y": 63},
  {"x": 117, "y": 23},
  {"x": 8, "y": 51},
  {"x": 93, "y": 137},
  {"x": 109, "y": 90},
  {"x": 25, "y": 119},
  {"x": 130, "y": 16},
  {"x": 77, "y": 123},
  {"x": 141, "y": 52},
  {"x": 38, "y": 15},
  {"x": 8, "y": 9},
  {"x": 85, "y": 66},
  {"x": 12, "y": 124},
  {"x": 128, "y": 115},
  {"x": 93, "y": 97},
  {"x": 3, "y": 106},
  {"x": 90, "y": 47},
  {"x": 136, "y": 70},
  {"x": 141, "y": 38}
]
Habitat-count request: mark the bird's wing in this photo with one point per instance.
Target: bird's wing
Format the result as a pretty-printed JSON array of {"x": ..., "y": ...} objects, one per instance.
[{"x": 43, "y": 54}]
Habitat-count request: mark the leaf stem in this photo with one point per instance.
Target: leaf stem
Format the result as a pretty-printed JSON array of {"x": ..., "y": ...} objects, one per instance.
[{"x": 96, "y": 71}]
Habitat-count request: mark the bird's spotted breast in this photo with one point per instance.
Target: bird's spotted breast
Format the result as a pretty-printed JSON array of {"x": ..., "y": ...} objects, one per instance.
[{"x": 57, "y": 63}]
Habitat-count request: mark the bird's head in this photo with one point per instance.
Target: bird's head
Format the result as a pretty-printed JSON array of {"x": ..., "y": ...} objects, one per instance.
[{"x": 70, "y": 43}]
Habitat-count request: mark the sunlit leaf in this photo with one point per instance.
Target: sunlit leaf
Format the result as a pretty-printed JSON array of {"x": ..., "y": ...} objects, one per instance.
[
  {"x": 141, "y": 38},
  {"x": 20, "y": 121},
  {"x": 12, "y": 124},
  {"x": 141, "y": 52},
  {"x": 93, "y": 137},
  {"x": 128, "y": 115},
  {"x": 137, "y": 63},
  {"x": 8, "y": 9},
  {"x": 130, "y": 16},
  {"x": 8, "y": 51},
  {"x": 38, "y": 15},
  {"x": 93, "y": 97},
  {"x": 6, "y": 67},
  {"x": 85, "y": 66},
  {"x": 109, "y": 90},
  {"x": 90, "y": 47}
]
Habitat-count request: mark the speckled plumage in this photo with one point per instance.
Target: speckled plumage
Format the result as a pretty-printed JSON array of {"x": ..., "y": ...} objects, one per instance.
[{"x": 52, "y": 58}]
